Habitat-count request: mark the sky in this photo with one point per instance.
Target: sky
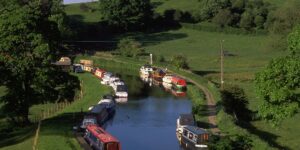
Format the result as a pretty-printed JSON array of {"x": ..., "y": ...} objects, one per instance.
[{"x": 76, "y": 1}]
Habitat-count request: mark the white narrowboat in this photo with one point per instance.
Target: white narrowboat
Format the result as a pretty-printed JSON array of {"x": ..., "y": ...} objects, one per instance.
[
  {"x": 121, "y": 91},
  {"x": 146, "y": 70}
]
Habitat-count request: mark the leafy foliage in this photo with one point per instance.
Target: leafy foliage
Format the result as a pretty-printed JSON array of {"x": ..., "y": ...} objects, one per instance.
[
  {"x": 246, "y": 14},
  {"x": 126, "y": 14},
  {"x": 180, "y": 61},
  {"x": 28, "y": 44},
  {"x": 230, "y": 142},
  {"x": 130, "y": 48}
]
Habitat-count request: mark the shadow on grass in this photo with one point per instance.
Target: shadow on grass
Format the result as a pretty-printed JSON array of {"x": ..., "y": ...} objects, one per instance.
[
  {"x": 263, "y": 135},
  {"x": 206, "y": 125},
  {"x": 11, "y": 136},
  {"x": 204, "y": 72}
]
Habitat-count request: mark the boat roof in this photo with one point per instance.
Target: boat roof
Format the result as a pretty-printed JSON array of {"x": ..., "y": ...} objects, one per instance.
[
  {"x": 186, "y": 119},
  {"x": 121, "y": 88},
  {"x": 97, "y": 108},
  {"x": 100, "y": 70},
  {"x": 195, "y": 130},
  {"x": 101, "y": 134}
]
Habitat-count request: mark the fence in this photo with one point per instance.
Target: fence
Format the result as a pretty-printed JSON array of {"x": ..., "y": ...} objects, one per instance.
[{"x": 50, "y": 112}]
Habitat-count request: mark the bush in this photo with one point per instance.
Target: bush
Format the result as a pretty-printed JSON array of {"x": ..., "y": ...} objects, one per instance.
[
  {"x": 180, "y": 61},
  {"x": 230, "y": 142},
  {"x": 130, "y": 48}
]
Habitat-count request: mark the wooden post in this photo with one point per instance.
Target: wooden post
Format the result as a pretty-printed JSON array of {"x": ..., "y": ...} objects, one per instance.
[{"x": 222, "y": 65}]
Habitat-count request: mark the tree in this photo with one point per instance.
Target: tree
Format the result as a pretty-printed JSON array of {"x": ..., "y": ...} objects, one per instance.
[
  {"x": 126, "y": 14},
  {"x": 180, "y": 61},
  {"x": 130, "y": 48},
  {"x": 277, "y": 84},
  {"x": 259, "y": 22},
  {"x": 230, "y": 142},
  {"x": 246, "y": 21},
  {"x": 28, "y": 46},
  {"x": 223, "y": 18}
]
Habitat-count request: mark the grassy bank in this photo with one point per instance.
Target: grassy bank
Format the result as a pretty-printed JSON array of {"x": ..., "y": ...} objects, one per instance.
[{"x": 56, "y": 132}]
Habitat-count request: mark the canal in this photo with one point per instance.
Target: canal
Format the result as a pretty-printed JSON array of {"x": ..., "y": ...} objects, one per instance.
[{"x": 148, "y": 120}]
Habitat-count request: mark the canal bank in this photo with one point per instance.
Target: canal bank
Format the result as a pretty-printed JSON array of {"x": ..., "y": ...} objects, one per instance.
[{"x": 211, "y": 93}]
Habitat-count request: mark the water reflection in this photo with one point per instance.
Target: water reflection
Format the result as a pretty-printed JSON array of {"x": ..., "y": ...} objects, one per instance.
[{"x": 148, "y": 120}]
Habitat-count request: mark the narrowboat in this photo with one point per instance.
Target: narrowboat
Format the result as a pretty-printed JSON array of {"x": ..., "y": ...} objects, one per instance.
[
  {"x": 87, "y": 65},
  {"x": 158, "y": 74},
  {"x": 179, "y": 83},
  {"x": 109, "y": 103},
  {"x": 106, "y": 78},
  {"x": 167, "y": 86},
  {"x": 88, "y": 120},
  {"x": 121, "y": 91},
  {"x": 184, "y": 120},
  {"x": 77, "y": 68},
  {"x": 146, "y": 70},
  {"x": 178, "y": 93},
  {"x": 116, "y": 83},
  {"x": 167, "y": 78},
  {"x": 99, "y": 139},
  {"x": 99, "y": 73},
  {"x": 113, "y": 79},
  {"x": 101, "y": 113},
  {"x": 121, "y": 99},
  {"x": 194, "y": 138}
]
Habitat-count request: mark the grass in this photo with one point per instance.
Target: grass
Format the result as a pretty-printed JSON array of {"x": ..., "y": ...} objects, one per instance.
[
  {"x": 56, "y": 132},
  {"x": 91, "y": 15}
]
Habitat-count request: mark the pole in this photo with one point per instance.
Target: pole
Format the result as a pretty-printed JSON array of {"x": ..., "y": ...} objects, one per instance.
[
  {"x": 151, "y": 61},
  {"x": 222, "y": 65}
]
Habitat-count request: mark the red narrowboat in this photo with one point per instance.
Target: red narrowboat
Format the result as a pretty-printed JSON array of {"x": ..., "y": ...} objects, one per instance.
[
  {"x": 100, "y": 139},
  {"x": 178, "y": 83},
  {"x": 99, "y": 73}
]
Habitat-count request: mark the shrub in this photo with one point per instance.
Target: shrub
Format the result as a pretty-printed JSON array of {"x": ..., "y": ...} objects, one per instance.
[
  {"x": 130, "y": 48},
  {"x": 180, "y": 61}
]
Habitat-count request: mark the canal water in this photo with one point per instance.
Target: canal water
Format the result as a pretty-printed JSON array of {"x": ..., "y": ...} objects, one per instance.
[{"x": 148, "y": 120}]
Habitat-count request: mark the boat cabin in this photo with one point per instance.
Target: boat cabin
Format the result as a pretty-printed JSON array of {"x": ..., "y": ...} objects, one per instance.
[
  {"x": 64, "y": 63},
  {"x": 121, "y": 91},
  {"x": 99, "y": 73},
  {"x": 87, "y": 65},
  {"x": 146, "y": 70},
  {"x": 158, "y": 73},
  {"x": 194, "y": 138},
  {"x": 185, "y": 120},
  {"x": 100, "y": 139},
  {"x": 77, "y": 68},
  {"x": 178, "y": 82},
  {"x": 88, "y": 120},
  {"x": 101, "y": 113}
]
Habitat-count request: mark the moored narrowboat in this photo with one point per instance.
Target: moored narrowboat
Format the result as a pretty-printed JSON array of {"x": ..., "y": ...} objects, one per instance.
[
  {"x": 167, "y": 78},
  {"x": 100, "y": 139},
  {"x": 146, "y": 70},
  {"x": 121, "y": 91},
  {"x": 194, "y": 138},
  {"x": 99, "y": 73},
  {"x": 178, "y": 83}
]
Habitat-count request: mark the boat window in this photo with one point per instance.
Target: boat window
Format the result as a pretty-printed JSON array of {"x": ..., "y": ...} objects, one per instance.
[
  {"x": 195, "y": 138},
  {"x": 191, "y": 136},
  {"x": 185, "y": 133},
  {"x": 112, "y": 146}
]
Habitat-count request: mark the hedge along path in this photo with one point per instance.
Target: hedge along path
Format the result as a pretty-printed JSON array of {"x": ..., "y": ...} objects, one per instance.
[{"x": 210, "y": 100}]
